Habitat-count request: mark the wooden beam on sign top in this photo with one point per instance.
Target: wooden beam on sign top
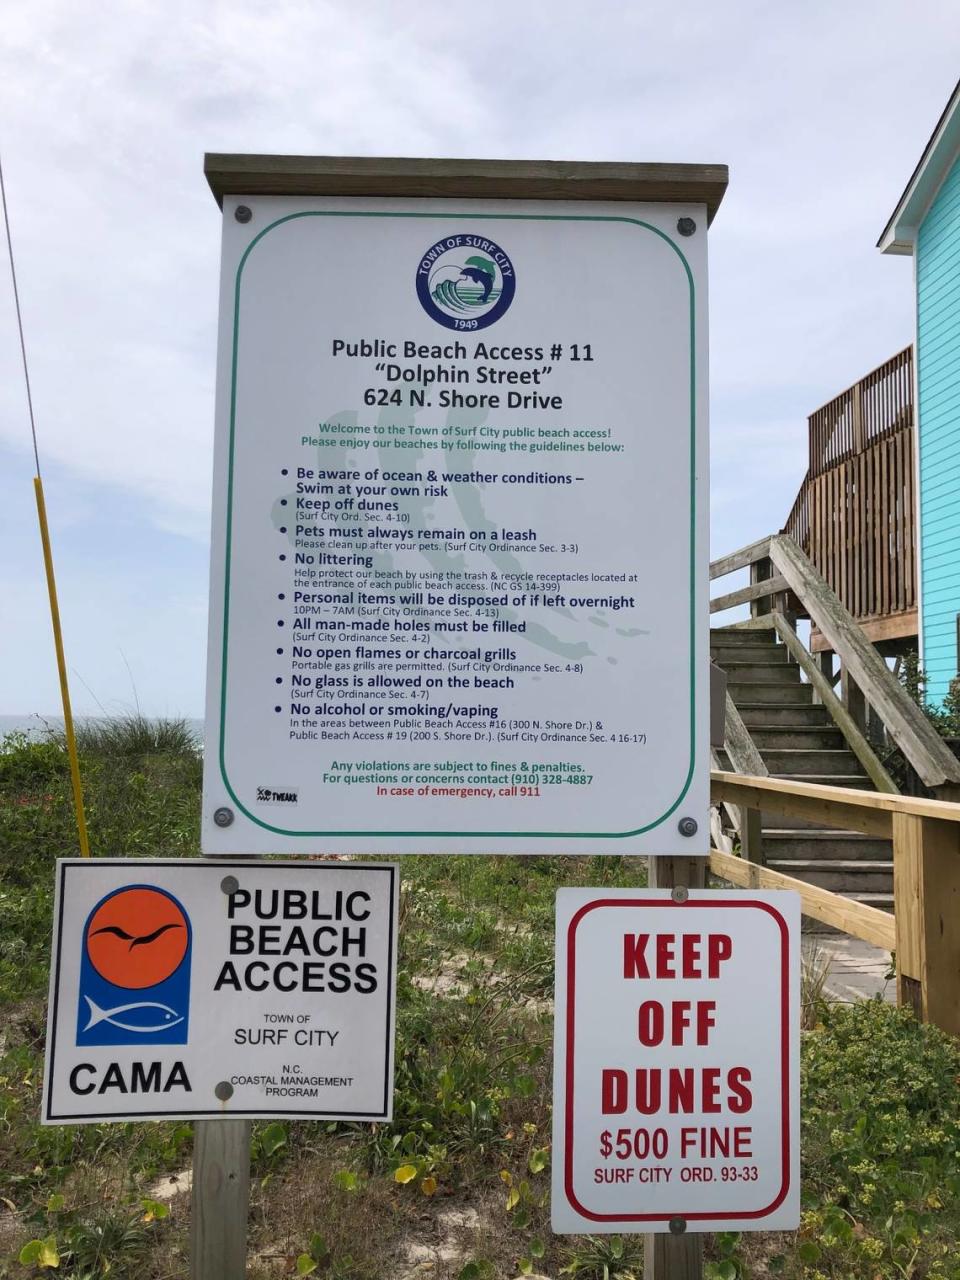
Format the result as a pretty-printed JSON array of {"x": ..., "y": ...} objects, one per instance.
[{"x": 422, "y": 178}]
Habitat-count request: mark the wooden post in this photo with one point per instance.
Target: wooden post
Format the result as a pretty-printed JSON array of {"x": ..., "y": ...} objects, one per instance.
[
  {"x": 760, "y": 570},
  {"x": 856, "y": 407},
  {"x": 670, "y": 1257},
  {"x": 853, "y": 699},
  {"x": 824, "y": 662},
  {"x": 220, "y": 1198},
  {"x": 751, "y": 836},
  {"x": 926, "y": 886},
  {"x": 746, "y": 759}
]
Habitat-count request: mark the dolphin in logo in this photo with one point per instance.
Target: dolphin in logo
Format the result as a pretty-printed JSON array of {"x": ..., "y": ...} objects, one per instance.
[
  {"x": 110, "y": 1016},
  {"x": 482, "y": 272}
]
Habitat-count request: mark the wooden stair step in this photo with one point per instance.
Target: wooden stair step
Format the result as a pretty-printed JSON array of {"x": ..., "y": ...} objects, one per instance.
[
  {"x": 753, "y": 691},
  {"x": 807, "y": 765},
  {"x": 823, "y": 842},
  {"x": 745, "y": 636},
  {"x": 860, "y": 782},
  {"x": 799, "y": 741},
  {"x": 772, "y": 654},
  {"x": 769, "y": 715},
  {"x": 846, "y": 876},
  {"x": 811, "y": 760},
  {"x": 762, "y": 672},
  {"x": 774, "y": 821},
  {"x": 797, "y": 737}
]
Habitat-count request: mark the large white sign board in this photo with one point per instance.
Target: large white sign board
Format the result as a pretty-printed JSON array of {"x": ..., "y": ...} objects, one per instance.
[
  {"x": 227, "y": 990},
  {"x": 459, "y": 565},
  {"x": 676, "y": 1067}
]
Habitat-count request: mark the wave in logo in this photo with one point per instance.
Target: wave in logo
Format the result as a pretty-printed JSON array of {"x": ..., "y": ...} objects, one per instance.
[{"x": 474, "y": 286}]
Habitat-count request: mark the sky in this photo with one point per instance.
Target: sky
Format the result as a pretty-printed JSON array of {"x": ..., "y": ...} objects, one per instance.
[{"x": 821, "y": 111}]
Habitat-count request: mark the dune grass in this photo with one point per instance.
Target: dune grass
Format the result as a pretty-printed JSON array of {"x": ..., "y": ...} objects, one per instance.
[{"x": 131, "y": 737}]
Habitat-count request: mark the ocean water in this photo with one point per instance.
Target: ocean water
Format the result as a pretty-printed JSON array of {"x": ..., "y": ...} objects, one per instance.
[{"x": 37, "y": 726}]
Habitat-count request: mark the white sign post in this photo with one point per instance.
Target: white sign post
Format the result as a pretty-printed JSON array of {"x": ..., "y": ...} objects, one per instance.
[
  {"x": 232, "y": 990},
  {"x": 676, "y": 1068},
  {"x": 459, "y": 566}
]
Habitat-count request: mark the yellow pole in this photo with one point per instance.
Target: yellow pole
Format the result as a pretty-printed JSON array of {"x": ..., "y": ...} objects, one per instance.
[
  {"x": 47, "y": 555},
  {"x": 62, "y": 670}
]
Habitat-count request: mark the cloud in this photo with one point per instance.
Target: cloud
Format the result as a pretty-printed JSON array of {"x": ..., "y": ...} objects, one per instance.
[{"x": 116, "y": 233}]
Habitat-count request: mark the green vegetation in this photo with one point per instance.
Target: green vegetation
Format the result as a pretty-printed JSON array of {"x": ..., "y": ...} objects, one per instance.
[
  {"x": 944, "y": 718},
  {"x": 141, "y": 786},
  {"x": 881, "y": 1144},
  {"x": 462, "y": 1175}
]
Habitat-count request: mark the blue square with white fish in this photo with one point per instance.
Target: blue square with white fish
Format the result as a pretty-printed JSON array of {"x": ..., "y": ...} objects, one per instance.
[{"x": 135, "y": 969}]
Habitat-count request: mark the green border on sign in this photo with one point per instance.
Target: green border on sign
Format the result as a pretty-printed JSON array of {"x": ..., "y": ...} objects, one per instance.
[{"x": 472, "y": 835}]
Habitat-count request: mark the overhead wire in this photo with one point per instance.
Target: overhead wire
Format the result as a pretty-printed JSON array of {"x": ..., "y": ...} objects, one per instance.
[{"x": 69, "y": 734}]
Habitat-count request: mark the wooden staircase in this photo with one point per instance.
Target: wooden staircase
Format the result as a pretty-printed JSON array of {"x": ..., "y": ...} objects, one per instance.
[{"x": 797, "y": 739}]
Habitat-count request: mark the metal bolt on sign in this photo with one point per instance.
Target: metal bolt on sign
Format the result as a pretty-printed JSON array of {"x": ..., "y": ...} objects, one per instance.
[
  {"x": 243, "y": 213},
  {"x": 678, "y": 1226},
  {"x": 223, "y": 1090},
  {"x": 680, "y": 893},
  {"x": 229, "y": 885},
  {"x": 223, "y": 816},
  {"x": 687, "y": 826},
  {"x": 686, "y": 226}
]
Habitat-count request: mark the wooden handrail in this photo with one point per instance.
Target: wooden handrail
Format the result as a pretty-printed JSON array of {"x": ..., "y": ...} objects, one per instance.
[
  {"x": 763, "y": 622},
  {"x": 756, "y": 591},
  {"x": 925, "y": 929},
  {"x": 741, "y": 559},
  {"x": 912, "y": 731},
  {"x": 826, "y": 806},
  {"x": 746, "y": 759},
  {"x": 848, "y": 802},
  {"x": 856, "y": 918},
  {"x": 739, "y": 745},
  {"x": 930, "y": 756},
  {"x": 841, "y": 716}
]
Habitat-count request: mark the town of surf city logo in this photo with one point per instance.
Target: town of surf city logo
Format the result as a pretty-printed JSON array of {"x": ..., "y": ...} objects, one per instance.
[
  {"x": 465, "y": 282},
  {"x": 135, "y": 970}
]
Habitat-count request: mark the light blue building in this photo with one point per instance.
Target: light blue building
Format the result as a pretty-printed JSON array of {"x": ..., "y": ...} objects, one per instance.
[{"x": 926, "y": 224}]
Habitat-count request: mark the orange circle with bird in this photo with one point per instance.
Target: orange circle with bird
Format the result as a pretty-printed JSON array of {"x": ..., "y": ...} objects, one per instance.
[{"x": 137, "y": 938}]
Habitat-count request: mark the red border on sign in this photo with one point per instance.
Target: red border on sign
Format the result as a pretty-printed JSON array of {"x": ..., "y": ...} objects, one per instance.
[{"x": 784, "y": 1060}]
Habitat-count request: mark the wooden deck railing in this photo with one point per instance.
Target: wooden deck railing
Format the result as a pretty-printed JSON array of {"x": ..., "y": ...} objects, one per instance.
[
  {"x": 855, "y": 513},
  {"x": 877, "y": 406},
  {"x": 924, "y": 929}
]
